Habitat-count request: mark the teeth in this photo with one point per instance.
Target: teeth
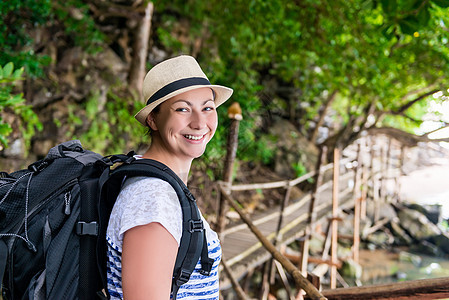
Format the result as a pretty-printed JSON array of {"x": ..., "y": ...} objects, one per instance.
[{"x": 192, "y": 137}]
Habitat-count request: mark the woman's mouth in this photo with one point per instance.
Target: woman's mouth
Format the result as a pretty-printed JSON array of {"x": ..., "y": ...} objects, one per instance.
[{"x": 194, "y": 137}]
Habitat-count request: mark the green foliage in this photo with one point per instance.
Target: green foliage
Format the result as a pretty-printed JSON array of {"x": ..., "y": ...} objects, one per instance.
[
  {"x": 282, "y": 58},
  {"x": 17, "y": 18},
  {"x": 20, "y": 21},
  {"x": 300, "y": 169},
  {"x": 371, "y": 52},
  {"x": 78, "y": 24},
  {"x": 14, "y": 103},
  {"x": 107, "y": 123}
]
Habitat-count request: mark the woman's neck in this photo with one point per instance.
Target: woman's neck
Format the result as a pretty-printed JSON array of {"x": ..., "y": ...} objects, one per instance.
[{"x": 180, "y": 166}]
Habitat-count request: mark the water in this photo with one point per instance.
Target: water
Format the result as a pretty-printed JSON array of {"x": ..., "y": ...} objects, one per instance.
[
  {"x": 429, "y": 185},
  {"x": 395, "y": 267}
]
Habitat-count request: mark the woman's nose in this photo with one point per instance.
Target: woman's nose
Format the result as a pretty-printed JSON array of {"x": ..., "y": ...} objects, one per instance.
[{"x": 198, "y": 120}]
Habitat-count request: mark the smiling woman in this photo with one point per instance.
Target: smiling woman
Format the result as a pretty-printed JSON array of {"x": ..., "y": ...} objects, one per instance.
[
  {"x": 182, "y": 128},
  {"x": 146, "y": 223}
]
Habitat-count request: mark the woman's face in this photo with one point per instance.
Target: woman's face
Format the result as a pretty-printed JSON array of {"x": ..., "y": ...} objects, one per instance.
[{"x": 186, "y": 123}]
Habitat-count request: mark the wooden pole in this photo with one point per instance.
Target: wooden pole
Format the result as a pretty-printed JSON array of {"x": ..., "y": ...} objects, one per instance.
[
  {"x": 236, "y": 286},
  {"x": 364, "y": 189},
  {"x": 334, "y": 241},
  {"x": 270, "y": 264},
  {"x": 388, "y": 167},
  {"x": 357, "y": 199},
  {"x": 401, "y": 173},
  {"x": 374, "y": 179},
  {"x": 235, "y": 114},
  {"x": 424, "y": 289},
  {"x": 284, "y": 279},
  {"x": 382, "y": 178},
  {"x": 265, "y": 287},
  {"x": 312, "y": 213},
  {"x": 300, "y": 281}
]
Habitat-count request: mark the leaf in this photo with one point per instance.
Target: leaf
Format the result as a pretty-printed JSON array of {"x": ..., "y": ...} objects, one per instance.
[
  {"x": 441, "y": 3},
  {"x": 411, "y": 5},
  {"x": 14, "y": 100},
  {"x": 1, "y": 73},
  {"x": 17, "y": 74},
  {"x": 388, "y": 31},
  {"x": 389, "y": 6},
  {"x": 424, "y": 16},
  {"x": 7, "y": 69},
  {"x": 409, "y": 25},
  {"x": 3, "y": 140},
  {"x": 5, "y": 130}
]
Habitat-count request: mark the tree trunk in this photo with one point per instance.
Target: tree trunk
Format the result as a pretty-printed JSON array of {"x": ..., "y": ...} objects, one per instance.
[
  {"x": 140, "y": 50},
  {"x": 323, "y": 112}
]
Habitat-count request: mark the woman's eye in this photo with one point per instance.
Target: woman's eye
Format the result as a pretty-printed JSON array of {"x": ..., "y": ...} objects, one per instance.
[
  {"x": 182, "y": 109},
  {"x": 209, "y": 108}
]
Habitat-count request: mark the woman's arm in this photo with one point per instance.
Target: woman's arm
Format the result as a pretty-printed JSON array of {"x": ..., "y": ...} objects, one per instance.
[{"x": 148, "y": 258}]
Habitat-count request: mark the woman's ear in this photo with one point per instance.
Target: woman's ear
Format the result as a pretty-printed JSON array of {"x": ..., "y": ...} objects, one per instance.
[{"x": 151, "y": 122}]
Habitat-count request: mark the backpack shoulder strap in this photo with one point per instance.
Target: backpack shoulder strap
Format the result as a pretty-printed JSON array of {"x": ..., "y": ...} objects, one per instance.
[
  {"x": 3, "y": 258},
  {"x": 193, "y": 241}
]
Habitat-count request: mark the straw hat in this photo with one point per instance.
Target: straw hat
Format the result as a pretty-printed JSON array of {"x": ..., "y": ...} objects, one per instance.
[{"x": 173, "y": 77}]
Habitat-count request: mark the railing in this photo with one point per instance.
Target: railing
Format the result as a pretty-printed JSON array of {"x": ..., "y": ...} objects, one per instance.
[{"x": 369, "y": 178}]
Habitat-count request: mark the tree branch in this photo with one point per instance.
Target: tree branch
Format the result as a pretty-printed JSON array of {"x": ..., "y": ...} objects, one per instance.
[
  {"x": 405, "y": 138},
  {"x": 446, "y": 125},
  {"x": 406, "y": 106},
  {"x": 414, "y": 92},
  {"x": 416, "y": 121}
]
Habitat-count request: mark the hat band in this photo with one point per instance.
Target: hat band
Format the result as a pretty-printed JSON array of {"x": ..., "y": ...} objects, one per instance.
[{"x": 177, "y": 85}]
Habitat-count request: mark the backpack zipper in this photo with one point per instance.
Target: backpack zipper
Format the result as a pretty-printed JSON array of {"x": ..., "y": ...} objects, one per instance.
[
  {"x": 67, "y": 198},
  {"x": 37, "y": 209},
  {"x": 30, "y": 214}
]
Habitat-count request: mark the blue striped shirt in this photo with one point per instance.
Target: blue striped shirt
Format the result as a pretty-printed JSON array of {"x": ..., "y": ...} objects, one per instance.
[{"x": 146, "y": 200}]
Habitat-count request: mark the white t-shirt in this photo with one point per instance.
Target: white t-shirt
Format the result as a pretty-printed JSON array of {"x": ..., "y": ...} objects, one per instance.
[{"x": 145, "y": 200}]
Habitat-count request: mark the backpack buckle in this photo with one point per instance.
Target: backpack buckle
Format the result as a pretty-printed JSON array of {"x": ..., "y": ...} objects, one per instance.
[
  {"x": 195, "y": 225},
  {"x": 189, "y": 195},
  {"x": 84, "y": 228},
  {"x": 183, "y": 277},
  {"x": 206, "y": 266},
  {"x": 38, "y": 166}
]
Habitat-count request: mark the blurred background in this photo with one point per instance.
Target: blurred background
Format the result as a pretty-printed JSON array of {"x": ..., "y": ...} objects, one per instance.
[{"x": 306, "y": 73}]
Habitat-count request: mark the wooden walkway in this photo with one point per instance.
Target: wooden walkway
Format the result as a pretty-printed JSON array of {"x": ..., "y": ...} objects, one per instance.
[{"x": 243, "y": 251}]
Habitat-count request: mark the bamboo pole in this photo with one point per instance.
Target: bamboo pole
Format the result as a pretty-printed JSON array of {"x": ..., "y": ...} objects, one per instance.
[
  {"x": 235, "y": 114},
  {"x": 334, "y": 241},
  {"x": 300, "y": 281}
]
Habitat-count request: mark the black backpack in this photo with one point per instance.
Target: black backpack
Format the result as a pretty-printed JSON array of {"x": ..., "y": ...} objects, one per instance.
[{"x": 53, "y": 221}]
